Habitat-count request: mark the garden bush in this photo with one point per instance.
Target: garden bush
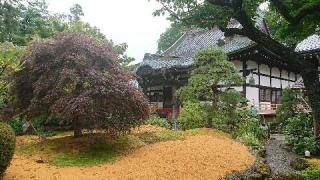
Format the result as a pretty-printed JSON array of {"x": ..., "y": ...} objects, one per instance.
[
  {"x": 311, "y": 173},
  {"x": 298, "y": 132},
  {"x": 7, "y": 145},
  {"x": 248, "y": 129},
  {"x": 17, "y": 126},
  {"x": 289, "y": 105},
  {"x": 157, "y": 121},
  {"x": 299, "y": 164},
  {"x": 250, "y": 139},
  {"x": 193, "y": 115}
]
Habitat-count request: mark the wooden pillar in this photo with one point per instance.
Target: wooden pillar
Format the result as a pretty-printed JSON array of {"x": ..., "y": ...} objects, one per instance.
[
  {"x": 259, "y": 79},
  {"x": 244, "y": 69},
  {"x": 281, "y": 79}
]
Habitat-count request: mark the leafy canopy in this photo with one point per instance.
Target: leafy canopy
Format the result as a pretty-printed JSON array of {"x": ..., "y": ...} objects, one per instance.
[
  {"x": 76, "y": 78},
  {"x": 170, "y": 36},
  {"x": 212, "y": 71},
  {"x": 9, "y": 63},
  {"x": 290, "y": 21}
]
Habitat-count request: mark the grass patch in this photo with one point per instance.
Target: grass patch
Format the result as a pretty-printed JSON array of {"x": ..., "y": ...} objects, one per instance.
[
  {"x": 94, "y": 155},
  {"x": 94, "y": 149}
]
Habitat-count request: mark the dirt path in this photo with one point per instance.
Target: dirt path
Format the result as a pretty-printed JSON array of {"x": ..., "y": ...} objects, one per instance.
[
  {"x": 196, "y": 157},
  {"x": 278, "y": 158}
]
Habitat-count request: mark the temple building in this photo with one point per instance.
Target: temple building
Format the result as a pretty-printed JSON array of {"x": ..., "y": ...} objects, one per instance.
[{"x": 160, "y": 75}]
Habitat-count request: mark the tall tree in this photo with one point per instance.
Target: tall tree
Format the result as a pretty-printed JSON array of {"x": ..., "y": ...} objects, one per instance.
[
  {"x": 22, "y": 21},
  {"x": 296, "y": 14},
  {"x": 76, "y": 13},
  {"x": 170, "y": 36},
  {"x": 10, "y": 12},
  {"x": 78, "y": 79},
  {"x": 213, "y": 71},
  {"x": 10, "y": 62},
  {"x": 124, "y": 60}
]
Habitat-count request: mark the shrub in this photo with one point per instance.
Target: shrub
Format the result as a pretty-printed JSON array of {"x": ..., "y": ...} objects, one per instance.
[
  {"x": 230, "y": 101},
  {"x": 7, "y": 145},
  {"x": 299, "y": 164},
  {"x": 299, "y": 133},
  {"x": 17, "y": 126},
  {"x": 193, "y": 115},
  {"x": 289, "y": 105},
  {"x": 311, "y": 173},
  {"x": 250, "y": 139},
  {"x": 157, "y": 121},
  {"x": 248, "y": 129}
]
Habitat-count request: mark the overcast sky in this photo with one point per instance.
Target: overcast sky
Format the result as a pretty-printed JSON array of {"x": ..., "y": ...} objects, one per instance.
[{"x": 129, "y": 21}]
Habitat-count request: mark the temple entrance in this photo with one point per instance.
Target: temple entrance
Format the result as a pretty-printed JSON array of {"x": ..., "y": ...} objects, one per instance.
[{"x": 167, "y": 97}]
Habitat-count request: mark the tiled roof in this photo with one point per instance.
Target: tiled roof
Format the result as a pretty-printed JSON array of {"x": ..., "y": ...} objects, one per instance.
[
  {"x": 159, "y": 61},
  {"x": 182, "y": 52},
  {"x": 309, "y": 44}
]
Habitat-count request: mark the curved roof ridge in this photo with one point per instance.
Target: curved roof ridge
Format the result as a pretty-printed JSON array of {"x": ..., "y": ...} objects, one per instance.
[
  {"x": 191, "y": 31},
  {"x": 309, "y": 44}
]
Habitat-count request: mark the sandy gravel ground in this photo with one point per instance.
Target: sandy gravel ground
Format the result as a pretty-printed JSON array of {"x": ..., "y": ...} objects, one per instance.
[{"x": 196, "y": 157}]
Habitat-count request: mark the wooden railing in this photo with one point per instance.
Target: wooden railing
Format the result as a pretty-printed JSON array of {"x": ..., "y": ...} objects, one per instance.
[{"x": 267, "y": 107}]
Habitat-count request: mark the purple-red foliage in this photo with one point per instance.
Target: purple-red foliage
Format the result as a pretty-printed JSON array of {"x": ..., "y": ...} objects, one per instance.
[{"x": 76, "y": 78}]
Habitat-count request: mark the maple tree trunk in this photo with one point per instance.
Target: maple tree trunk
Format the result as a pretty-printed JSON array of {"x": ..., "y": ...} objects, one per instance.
[
  {"x": 312, "y": 84},
  {"x": 77, "y": 131}
]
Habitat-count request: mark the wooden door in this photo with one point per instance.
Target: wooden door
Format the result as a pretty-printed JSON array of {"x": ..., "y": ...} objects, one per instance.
[{"x": 167, "y": 97}]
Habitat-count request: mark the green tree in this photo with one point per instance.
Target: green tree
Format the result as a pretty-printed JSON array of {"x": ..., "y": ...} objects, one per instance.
[
  {"x": 170, "y": 36},
  {"x": 124, "y": 60},
  {"x": 22, "y": 21},
  {"x": 10, "y": 12},
  {"x": 75, "y": 13},
  {"x": 10, "y": 62},
  {"x": 290, "y": 101},
  {"x": 212, "y": 74},
  {"x": 294, "y": 18}
]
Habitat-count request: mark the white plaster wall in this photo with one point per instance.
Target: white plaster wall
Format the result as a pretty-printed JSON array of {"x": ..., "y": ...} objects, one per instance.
[
  {"x": 255, "y": 77},
  {"x": 276, "y": 83},
  {"x": 265, "y": 81},
  {"x": 238, "y": 88},
  {"x": 252, "y": 64},
  {"x": 275, "y": 72},
  {"x": 252, "y": 94},
  {"x": 285, "y": 84},
  {"x": 264, "y": 69},
  {"x": 292, "y": 76}
]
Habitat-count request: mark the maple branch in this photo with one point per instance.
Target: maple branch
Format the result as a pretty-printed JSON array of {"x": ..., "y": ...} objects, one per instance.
[
  {"x": 173, "y": 14},
  {"x": 232, "y": 31},
  {"x": 308, "y": 9}
]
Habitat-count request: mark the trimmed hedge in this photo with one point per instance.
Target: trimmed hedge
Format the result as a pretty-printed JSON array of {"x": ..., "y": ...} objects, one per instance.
[{"x": 7, "y": 145}]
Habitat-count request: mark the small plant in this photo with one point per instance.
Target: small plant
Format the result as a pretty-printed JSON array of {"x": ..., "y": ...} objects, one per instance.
[
  {"x": 7, "y": 146},
  {"x": 157, "y": 121},
  {"x": 299, "y": 164},
  {"x": 289, "y": 106},
  {"x": 299, "y": 134},
  {"x": 311, "y": 173},
  {"x": 248, "y": 129},
  {"x": 192, "y": 116},
  {"x": 250, "y": 139},
  {"x": 17, "y": 126}
]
